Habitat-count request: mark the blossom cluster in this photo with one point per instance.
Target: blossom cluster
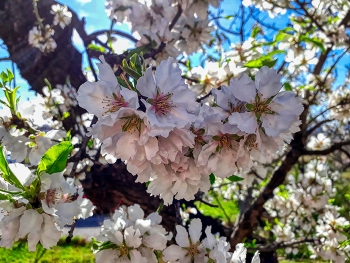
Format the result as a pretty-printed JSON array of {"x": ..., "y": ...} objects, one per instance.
[
  {"x": 130, "y": 237},
  {"x": 152, "y": 20},
  {"x": 41, "y": 36},
  {"x": 296, "y": 205},
  {"x": 41, "y": 212},
  {"x": 166, "y": 137}
]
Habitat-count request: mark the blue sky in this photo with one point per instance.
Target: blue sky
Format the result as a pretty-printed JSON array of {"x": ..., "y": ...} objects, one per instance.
[{"x": 96, "y": 19}]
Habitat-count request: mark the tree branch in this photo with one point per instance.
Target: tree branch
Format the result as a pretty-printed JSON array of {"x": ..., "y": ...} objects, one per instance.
[{"x": 334, "y": 147}]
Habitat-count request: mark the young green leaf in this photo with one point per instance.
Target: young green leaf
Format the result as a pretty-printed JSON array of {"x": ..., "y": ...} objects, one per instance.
[
  {"x": 55, "y": 158},
  {"x": 235, "y": 178},
  {"x": 212, "y": 178},
  {"x": 7, "y": 174}
]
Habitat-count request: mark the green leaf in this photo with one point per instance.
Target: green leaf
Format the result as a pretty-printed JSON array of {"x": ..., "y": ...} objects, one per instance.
[
  {"x": 10, "y": 75},
  {"x": 138, "y": 50},
  {"x": 55, "y": 158},
  {"x": 270, "y": 63},
  {"x": 134, "y": 74},
  {"x": 3, "y": 197},
  {"x": 235, "y": 178},
  {"x": 47, "y": 82},
  {"x": 96, "y": 48},
  {"x": 135, "y": 63},
  {"x": 281, "y": 36},
  {"x": 4, "y": 102},
  {"x": 256, "y": 30},
  {"x": 287, "y": 86},
  {"x": 260, "y": 62},
  {"x": 266, "y": 60},
  {"x": 316, "y": 42},
  {"x": 4, "y": 77},
  {"x": 7, "y": 174},
  {"x": 65, "y": 115},
  {"x": 212, "y": 178}
]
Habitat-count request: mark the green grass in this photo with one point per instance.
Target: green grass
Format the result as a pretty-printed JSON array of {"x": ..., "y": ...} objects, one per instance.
[
  {"x": 78, "y": 251},
  {"x": 226, "y": 211}
]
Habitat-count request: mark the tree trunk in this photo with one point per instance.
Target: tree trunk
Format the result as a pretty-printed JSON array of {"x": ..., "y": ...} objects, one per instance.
[{"x": 17, "y": 19}]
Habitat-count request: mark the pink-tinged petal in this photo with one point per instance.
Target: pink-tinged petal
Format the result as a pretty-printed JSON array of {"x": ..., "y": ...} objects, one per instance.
[
  {"x": 33, "y": 239},
  {"x": 174, "y": 252},
  {"x": 135, "y": 212},
  {"x": 245, "y": 121},
  {"x": 268, "y": 82},
  {"x": 287, "y": 103},
  {"x": 106, "y": 73},
  {"x": 146, "y": 84},
  {"x": 275, "y": 124},
  {"x": 107, "y": 256},
  {"x": 126, "y": 148},
  {"x": 221, "y": 99},
  {"x": 240, "y": 254},
  {"x": 30, "y": 221},
  {"x": 195, "y": 230},
  {"x": 135, "y": 257},
  {"x": 182, "y": 236},
  {"x": 243, "y": 88},
  {"x": 132, "y": 237},
  {"x": 151, "y": 148},
  {"x": 9, "y": 231},
  {"x": 256, "y": 258},
  {"x": 168, "y": 75}
]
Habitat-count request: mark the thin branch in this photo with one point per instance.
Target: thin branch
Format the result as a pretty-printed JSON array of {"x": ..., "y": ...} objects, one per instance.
[
  {"x": 345, "y": 152},
  {"x": 70, "y": 233},
  {"x": 274, "y": 246},
  {"x": 333, "y": 148},
  {"x": 241, "y": 30},
  {"x": 176, "y": 17},
  {"x": 204, "y": 97},
  {"x": 113, "y": 32},
  {"x": 319, "y": 124},
  {"x": 205, "y": 202}
]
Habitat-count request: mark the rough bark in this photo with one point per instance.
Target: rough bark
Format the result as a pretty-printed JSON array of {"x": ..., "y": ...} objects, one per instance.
[{"x": 17, "y": 19}]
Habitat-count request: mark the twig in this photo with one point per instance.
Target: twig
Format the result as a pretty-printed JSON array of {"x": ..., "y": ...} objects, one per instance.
[
  {"x": 204, "y": 97},
  {"x": 334, "y": 147},
  {"x": 115, "y": 32},
  {"x": 274, "y": 246},
  {"x": 70, "y": 233},
  {"x": 205, "y": 202},
  {"x": 177, "y": 212}
]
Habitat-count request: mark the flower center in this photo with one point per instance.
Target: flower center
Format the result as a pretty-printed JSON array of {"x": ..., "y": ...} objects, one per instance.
[
  {"x": 193, "y": 250},
  {"x": 123, "y": 250},
  {"x": 236, "y": 108},
  {"x": 250, "y": 142},
  {"x": 226, "y": 141},
  {"x": 131, "y": 123},
  {"x": 114, "y": 103},
  {"x": 54, "y": 196},
  {"x": 161, "y": 103},
  {"x": 198, "y": 140}
]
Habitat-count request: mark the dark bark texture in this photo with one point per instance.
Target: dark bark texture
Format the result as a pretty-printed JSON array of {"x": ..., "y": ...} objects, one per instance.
[{"x": 17, "y": 19}]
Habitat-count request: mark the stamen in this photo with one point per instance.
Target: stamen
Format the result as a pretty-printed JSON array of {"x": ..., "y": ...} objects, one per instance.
[
  {"x": 250, "y": 142},
  {"x": 54, "y": 196},
  {"x": 114, "y": 104},
  {"x": 162, "y": 104},
  {"x": 132, "y": 122}
]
